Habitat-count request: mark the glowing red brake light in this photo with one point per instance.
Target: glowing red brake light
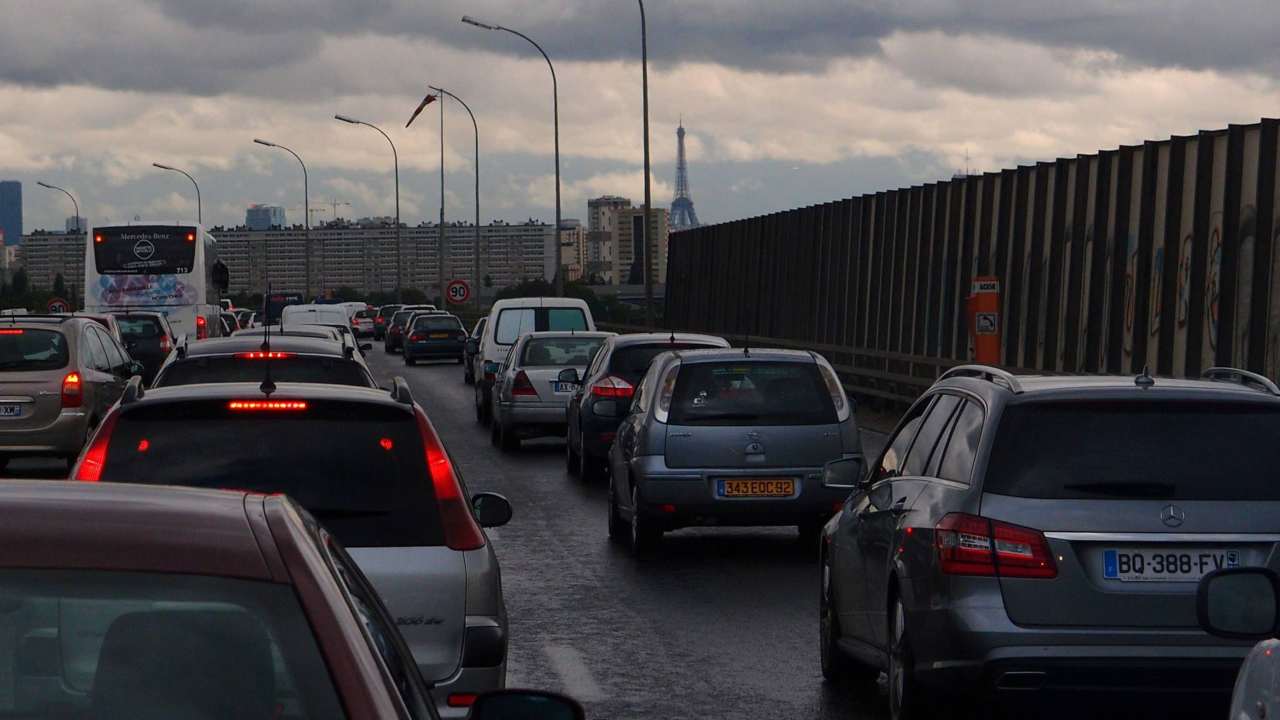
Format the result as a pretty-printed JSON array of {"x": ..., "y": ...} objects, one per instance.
[
  {"x": 202, "y": 328},
  {"x": 89, "y": 469},
  {"x": 380, "y": 320},
  {"x": 973, "y": 545},
  {"x": 522, "y": 386},
  {"x": 165, "y": 345},
  {"x": 72, "y": 390},
  {"x": 267, "y": 405},
  {"x": 460, "y": 529},
  {"x": 263, "y": 355},
  {"x": 191, "y": 237},
  {"x": 612, "y": 387},
  {"x": 11, "y": 331},
  {"x": 97, "y": 238}
]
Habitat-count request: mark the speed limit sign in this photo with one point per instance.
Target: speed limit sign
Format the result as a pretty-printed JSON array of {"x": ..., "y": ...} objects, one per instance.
[{"x": 458, "y": 292}]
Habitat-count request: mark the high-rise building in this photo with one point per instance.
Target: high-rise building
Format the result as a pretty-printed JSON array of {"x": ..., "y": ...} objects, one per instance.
[
  {"x": 573, "y": 247},
  {"x": 628, "y": 245},
  {"x": 46, "y": 255},
  {"x": 601, "y": 211},
  {"x": 11, "y": 212},
  {"x": 77, "y": 224},
  {"x": 264, "y": 217}
]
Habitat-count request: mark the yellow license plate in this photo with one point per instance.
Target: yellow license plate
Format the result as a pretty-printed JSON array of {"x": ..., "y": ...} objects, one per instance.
[
  {"x": 757, "y": 487},
  {"x": 438, "y": 336}
]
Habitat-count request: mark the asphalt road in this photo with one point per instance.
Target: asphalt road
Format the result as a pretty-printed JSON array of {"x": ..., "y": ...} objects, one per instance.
[{"x": 718, "y": 623}]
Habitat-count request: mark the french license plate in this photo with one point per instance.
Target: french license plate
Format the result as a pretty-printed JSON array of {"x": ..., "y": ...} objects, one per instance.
[
  {"x": 439, "y": 336},
  {"x": 1156, "y": 565},
  {"x": 756, "y": 487},
  {"x": 564, "y": 387},
  {"x": 10, "y": 410}
]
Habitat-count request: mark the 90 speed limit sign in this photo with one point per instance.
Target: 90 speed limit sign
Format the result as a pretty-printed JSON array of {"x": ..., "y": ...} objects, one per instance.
[{"x": 458, "y": 292}]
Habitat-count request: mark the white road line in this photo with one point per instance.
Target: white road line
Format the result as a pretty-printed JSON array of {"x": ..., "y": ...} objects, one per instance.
[{"x": 572, "y": 669}]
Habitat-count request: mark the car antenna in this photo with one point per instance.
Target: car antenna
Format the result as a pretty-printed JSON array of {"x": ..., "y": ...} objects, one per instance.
[{"x": 266, "y": 327}]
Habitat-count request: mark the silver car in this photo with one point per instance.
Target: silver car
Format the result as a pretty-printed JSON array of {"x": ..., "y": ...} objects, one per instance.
[
  {"x": 531, "y": 390},
  {"x": 1025, "y": 538},
  {"x": 729, "y": 437}
]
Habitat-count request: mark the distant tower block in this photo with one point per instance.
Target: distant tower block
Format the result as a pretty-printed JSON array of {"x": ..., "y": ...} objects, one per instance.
[{"x": 683, "y": 216}]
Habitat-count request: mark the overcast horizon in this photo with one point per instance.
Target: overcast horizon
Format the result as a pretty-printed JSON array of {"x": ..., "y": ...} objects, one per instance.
[{"x": 879, "y": 95}]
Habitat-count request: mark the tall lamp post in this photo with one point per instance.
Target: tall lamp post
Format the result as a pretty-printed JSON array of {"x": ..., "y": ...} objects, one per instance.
[
  {"x": 648, "y": 197},
  {"x": 475, "y": 255},
  {"x": 74, "y": 204},
  {"x": 306, "y": 213},
  {"x": 555, "y": 104},
  {"x": 199, "y": 206},
  {"x": 396, "y": 159}
]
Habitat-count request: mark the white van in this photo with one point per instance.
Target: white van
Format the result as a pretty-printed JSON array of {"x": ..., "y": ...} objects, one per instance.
[
  {"x": 294, "y": 315},
  {"x": 508, "y": 320}
]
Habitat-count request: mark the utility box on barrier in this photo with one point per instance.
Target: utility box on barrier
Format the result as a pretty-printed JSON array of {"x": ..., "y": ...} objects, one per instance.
[{"x": 984, "y": 320}]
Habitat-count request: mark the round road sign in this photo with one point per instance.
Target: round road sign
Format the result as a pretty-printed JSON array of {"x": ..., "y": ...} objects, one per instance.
[
  {"x": 58, "y": 305},
  {"x": 458, "y": 292}
]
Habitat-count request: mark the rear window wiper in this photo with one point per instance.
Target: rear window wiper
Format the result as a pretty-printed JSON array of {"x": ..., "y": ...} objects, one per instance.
[
  {"x": 723, "y": 416},
  {"x": 1154, "y": 490}
]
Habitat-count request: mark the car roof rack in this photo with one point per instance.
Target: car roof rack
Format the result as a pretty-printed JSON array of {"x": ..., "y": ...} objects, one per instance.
[
  {"x": 985, "y": 372},
  {"x": 400, "y": 391},
  {"x": 133, "y": 392},
  {"x": 1241, "y": 377}
]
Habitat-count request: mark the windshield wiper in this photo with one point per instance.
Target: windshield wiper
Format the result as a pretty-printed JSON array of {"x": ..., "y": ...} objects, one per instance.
[{"x": 1152, "y": 490}]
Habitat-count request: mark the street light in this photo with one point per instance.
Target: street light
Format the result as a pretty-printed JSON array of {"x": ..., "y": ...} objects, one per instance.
[
  {"x": 648, "y": 199},
  {"x": 306, "y": 212},
  {"x": 396, "y": 159},
  {"x": 74, "y": 204},
  {"x": 555, "y": 104},
  {"x": 476, "y": 253},
  {"x": 199, "y": 208}
]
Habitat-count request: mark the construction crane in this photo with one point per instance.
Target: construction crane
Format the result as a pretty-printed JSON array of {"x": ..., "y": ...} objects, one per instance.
[{"x": 334, "y": 204}]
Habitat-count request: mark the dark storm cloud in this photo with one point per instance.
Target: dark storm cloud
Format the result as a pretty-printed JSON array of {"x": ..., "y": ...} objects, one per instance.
[{"x": 211, "y": 46}]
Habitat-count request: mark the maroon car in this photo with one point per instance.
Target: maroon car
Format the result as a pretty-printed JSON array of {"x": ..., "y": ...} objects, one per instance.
[{"x": 141, "y": 602}]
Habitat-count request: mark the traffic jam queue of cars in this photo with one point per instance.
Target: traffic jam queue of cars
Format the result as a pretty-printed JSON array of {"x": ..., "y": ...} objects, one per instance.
[{"x": 1018, "y": 537}]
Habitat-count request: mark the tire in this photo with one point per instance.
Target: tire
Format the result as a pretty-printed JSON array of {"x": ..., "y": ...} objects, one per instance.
[
  {"x": 410, "y": 361},
  {"x": 837, "y": 667},
  {"x": 482, "y": 407},
  {"x": 809, "y": 534},
  {"x": 467, "y": 379},
  {"x": 458, "y": 360},
  {"x": 907, "y": 700},
  {"x": 589, "y": 468},
  {"x": 386, "y": 348},
  {"x": 618, "y": 530},
  {"x": 508, "y": 441},
  {"x": 571, "y": 458},
  {"x": 645, "y": 538},
  {"x": 495, "y": 434}
]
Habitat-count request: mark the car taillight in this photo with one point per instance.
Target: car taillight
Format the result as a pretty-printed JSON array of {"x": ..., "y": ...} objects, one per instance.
[
  {"x": 165, "y": 345},
  {"x": 458, "y": 700},
  {"x": 267, "y": 405},
  {"x": 460, "y": 529},
  {"x": 380, "y": 320},
  {"x": 973, "y": 545},
  {"x": 522, "y": 386},
  {"x": 263, "y": 355},
  {"x": 612, "y": 387},
  {"x": 89, "y": 469},
  {"x": 72, "y": 390},
  {"x": 417, "y": 337},
  {"x": 202, "y": 328}
]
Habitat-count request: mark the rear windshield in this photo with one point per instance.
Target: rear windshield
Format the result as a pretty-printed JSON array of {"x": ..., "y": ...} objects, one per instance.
[
  {"x": 27, "y": 349},
  {"x": 359, "y": 468},
  {"x": 299, "y": 369},
  {"x": 514, "y": 322},
  {"x": 547, "y": 352},
  {"x": 388, "y": 310},
  {"x": 365, "y": 314},
  {"x": 437, "y": 322},
  {"x": 400, "y": 318},
  {"x": 1136, "y": 450},
  {"x": 139, "y": 326},
  {"x": 144, "y": 249},
  {"x": 752, "y": 393},
  {"x": 632, "y": 362},
  {"x": 94, "y": 643}
]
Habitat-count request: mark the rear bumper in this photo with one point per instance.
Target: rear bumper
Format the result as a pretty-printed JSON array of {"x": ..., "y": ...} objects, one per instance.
[
  {"x": 516, "y": 414},
  {"x": 63, "y": 436},
  {"x": 484, "y": 665},
  {"x": 433, "y": 350},
  {"x": 598, "y": 434},
  {"x": 693, "y": 493}
]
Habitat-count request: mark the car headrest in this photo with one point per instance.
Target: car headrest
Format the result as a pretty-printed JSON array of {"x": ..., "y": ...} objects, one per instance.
[{"x": 208, "y": 664}]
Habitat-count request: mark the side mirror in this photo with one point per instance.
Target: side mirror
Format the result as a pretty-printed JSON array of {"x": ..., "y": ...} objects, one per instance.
[
  {"x": 492, "y": 509},
  {"x": 843, "y": 474},
  {"x": 136, "y": 368},
  {"x": 525, "y": 705},
  {"x": 473, "y": 346},
  {"x": 568, "y": 375},
  {"x": 366, "y": 347},
  {"x": 1239, "y": 603}
]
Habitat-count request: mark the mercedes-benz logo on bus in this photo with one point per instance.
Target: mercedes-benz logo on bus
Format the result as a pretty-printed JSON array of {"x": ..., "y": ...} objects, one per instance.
[
  {"x": 1173, "y": 516},
  {"x": 144, "y": 249}
]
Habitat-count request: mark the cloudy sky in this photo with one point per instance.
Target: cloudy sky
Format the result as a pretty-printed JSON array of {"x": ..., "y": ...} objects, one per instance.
[{"x": 786, "y": 103}]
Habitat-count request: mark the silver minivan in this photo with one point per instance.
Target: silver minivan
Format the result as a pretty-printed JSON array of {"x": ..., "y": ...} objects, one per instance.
[{"x": 730, "y": 437}]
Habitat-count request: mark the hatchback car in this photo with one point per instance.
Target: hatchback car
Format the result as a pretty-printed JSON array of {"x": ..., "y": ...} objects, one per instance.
[
  {"x": 730, "y": 437},
  {"x": 531, "y": 389},
  {"x": 605, "y": 390},
  {"x": 394, "y": 339},
  {"x": 1040, "y": 537},
  {"x": 59, "y": 375},
  {"x": 242, "y": 359},
  {"x": 185, "y": 603},
  {"x": 434, "y": 337},
  {"x": 381, "y": 320},
  {"x": 370, "y": 466},
  {"x": 147, "y": 337},
  {"x": 362, "y": 323}
]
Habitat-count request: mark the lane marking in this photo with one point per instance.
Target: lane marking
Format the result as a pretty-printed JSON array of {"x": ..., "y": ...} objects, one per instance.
[{"x": 574, "y": 674}]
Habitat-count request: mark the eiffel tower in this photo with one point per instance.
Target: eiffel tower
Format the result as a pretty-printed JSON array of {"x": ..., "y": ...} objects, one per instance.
[{"x": 683, "y": 216}]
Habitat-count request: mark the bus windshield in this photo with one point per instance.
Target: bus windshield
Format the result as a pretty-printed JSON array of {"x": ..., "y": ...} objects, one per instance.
[{"x": 145, "y": 249}]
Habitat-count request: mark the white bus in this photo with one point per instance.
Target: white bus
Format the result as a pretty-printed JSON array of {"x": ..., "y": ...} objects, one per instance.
[{"x": 173, "y": 269}]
